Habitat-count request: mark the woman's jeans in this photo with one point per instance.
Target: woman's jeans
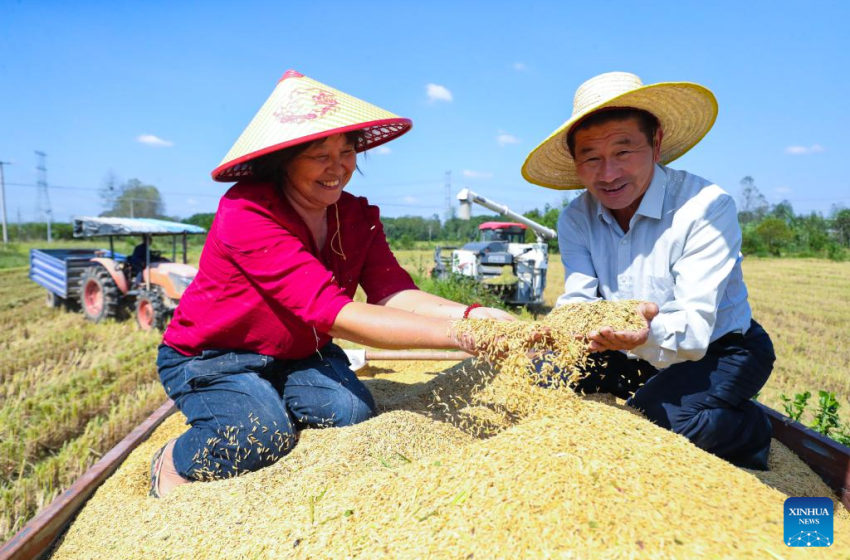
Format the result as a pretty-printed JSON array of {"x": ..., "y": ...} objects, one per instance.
[
  {"x": 245, "y": 409},
  {"x": 708, "y": 401}
]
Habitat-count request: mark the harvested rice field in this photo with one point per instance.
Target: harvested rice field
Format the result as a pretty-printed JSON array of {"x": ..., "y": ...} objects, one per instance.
[{"x": 554, "y": 476}]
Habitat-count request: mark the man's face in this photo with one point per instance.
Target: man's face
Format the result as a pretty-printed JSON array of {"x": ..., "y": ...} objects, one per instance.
[{"x": 615, "y": 162}]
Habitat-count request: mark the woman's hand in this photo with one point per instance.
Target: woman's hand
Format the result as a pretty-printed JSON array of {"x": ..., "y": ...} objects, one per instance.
[
  {"x": 607, "y": 339},
  {"x": 463, "y": 341},
  {"x": 491, "y": 313}
]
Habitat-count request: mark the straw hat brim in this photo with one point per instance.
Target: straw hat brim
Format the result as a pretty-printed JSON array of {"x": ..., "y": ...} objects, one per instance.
[
  {"x": 686, "y": 112},
  {"x": 391, "y": 128}
]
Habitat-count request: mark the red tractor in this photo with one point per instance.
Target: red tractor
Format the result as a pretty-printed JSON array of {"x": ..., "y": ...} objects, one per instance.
[{"x": 108, "y": 284}]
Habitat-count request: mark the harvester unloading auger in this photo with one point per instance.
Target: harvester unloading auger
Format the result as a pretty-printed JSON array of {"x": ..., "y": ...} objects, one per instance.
[{"x": 501, "y": 258}]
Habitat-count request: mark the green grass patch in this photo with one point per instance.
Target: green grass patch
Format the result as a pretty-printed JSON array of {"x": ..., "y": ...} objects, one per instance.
[{"x": 462, "y": 289}]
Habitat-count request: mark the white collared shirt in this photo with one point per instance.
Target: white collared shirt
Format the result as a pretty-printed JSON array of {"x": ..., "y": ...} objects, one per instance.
[{"x": 682, "y": 251}]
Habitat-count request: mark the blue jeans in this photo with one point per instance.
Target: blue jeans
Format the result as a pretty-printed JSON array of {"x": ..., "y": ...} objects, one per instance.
[
  {"x": 708, "y": 401},
  {"x": 244, "y": 409}
]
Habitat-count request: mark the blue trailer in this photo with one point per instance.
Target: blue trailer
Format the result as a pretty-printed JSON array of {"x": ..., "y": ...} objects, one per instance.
[{"x": 60, "y": 272}]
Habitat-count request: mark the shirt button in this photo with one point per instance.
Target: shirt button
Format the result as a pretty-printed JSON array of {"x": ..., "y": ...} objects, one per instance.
[{"x": 624, "y": 241}]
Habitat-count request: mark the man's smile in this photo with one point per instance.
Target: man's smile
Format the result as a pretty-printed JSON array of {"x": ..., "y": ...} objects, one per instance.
[{"x": 613, "y": 190}]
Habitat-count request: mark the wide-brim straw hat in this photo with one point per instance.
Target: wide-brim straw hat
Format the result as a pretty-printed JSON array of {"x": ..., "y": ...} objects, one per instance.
[
  {"x": 301, "y": 110},
  {"x": 686, "y": 112}
]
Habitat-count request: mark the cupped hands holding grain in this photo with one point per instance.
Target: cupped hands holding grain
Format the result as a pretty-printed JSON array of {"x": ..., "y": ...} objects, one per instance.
[
  {"x": 608, "y": 338},
  {"x": 555, "y": 349}
]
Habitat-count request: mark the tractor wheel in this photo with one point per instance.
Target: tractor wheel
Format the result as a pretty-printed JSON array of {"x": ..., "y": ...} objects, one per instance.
[
  {"x": 151, "y": 312},
  {"x": 99, "y": 295},
  {"x": 53, "y": 301}
]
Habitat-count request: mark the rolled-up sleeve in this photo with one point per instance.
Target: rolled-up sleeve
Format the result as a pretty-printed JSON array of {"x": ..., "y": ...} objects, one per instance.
[
  {"x": 581, "y": 283},
  {"x": 683, "y": 328},
  {"x": 278, "y": 264},
  {"x": 382, "y": 276}
]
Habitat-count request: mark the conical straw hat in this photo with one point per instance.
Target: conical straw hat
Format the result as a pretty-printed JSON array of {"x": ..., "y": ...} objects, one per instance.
[
  {"x": 302, "y": 110},
  {"x": 685, "y": 110}
]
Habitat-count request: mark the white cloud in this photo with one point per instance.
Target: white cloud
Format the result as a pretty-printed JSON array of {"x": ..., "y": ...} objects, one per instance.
[
  {"x": 438, "y": 92},
  {"x": 470, "y": 174},
  {"x": 383, "y": 150},
  {"x": 410, "y": 199},
  {"x": 503, "y": 138},
  {"x": 804, "y": 150},
  {"x": 519, "y": 66},
  {"x": 152, "y": 140},
  {"x": 783, "y": 190}
]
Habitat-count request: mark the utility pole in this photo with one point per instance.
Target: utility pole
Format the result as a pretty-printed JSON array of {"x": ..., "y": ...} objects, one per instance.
[
  {"x": 448, "y": 195},
  {"x": 43, "y": 194},
  {"x": 132, "y": 212},
  {"x": 3, "y": 202}
]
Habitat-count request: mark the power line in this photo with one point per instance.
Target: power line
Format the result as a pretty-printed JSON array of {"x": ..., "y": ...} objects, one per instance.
[{"x": 70, "y": 188}]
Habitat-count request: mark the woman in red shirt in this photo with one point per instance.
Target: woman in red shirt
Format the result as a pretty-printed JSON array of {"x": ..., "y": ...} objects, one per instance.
[{"x": 248, "y": 356}]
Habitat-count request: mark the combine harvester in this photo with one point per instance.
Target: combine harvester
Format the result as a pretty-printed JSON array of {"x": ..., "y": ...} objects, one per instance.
[{"x": 500, "y": 259}]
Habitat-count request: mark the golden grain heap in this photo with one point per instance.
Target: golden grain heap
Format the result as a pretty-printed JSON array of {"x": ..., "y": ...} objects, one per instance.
[{"x": 554, "y": 475}]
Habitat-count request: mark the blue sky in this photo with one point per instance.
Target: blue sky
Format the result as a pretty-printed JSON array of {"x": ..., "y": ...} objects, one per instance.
[{"x": 88, "y": 82}]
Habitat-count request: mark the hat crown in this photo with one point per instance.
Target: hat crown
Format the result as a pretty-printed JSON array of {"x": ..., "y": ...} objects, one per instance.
[{"x": 603, "y": 87}]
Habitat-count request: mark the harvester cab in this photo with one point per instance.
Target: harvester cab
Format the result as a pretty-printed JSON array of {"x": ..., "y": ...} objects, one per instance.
[
  {"x": 500, "y": 259},
  {"x": 108, "y": 284}
]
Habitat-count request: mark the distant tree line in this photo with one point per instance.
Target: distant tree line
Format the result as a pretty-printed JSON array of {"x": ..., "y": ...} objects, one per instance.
[
  {"x": 768, "y": 229},
  {"x": 774, "y": 229}
]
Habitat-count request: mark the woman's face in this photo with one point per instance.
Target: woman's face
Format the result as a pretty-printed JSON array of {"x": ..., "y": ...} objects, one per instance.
[{"x": 318, "y": 174}]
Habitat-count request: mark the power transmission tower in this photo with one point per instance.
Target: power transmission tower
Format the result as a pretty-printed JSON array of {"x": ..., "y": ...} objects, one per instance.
[
  {"x": 43, "y": 194},
  {"x": 448, "y": 195},
  {"x": 3, "y": 202}
]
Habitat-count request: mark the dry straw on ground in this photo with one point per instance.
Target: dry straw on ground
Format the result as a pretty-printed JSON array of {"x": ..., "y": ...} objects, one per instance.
[{"x": 555, "y": 475}]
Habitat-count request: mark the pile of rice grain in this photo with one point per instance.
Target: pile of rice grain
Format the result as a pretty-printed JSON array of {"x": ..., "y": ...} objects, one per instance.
[
  {"x": 471, "y": 463},
  {"x": 589, "y": 480}
]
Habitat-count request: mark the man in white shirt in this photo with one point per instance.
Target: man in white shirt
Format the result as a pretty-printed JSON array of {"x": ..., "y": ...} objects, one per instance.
[{"x": 645, "y": 231}]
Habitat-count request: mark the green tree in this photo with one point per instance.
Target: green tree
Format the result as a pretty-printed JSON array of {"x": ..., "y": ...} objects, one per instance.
[
  {"x": 775, "y": 233},
  {"x": 784, "y": 211},
  {"x": 841, "y": 225},
  {"x": 548, "y": 218},
  {"x": 754, "y": 205},
  {"x": 134, "y": 199},
  {"x": 811, "y": 232},
  {"x": 456, "y": 230},
  {"x": 415, "y": 228},
  {"x": 203, "y": 220}
]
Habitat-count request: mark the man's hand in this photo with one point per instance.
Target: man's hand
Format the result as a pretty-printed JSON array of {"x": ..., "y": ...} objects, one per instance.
[
  {"x": 607, "y": 339},
  {"x": 491, "y": 313}
]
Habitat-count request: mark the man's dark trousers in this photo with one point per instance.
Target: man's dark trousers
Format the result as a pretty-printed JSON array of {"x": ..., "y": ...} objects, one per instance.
[{"x": 708, "y": 401}]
